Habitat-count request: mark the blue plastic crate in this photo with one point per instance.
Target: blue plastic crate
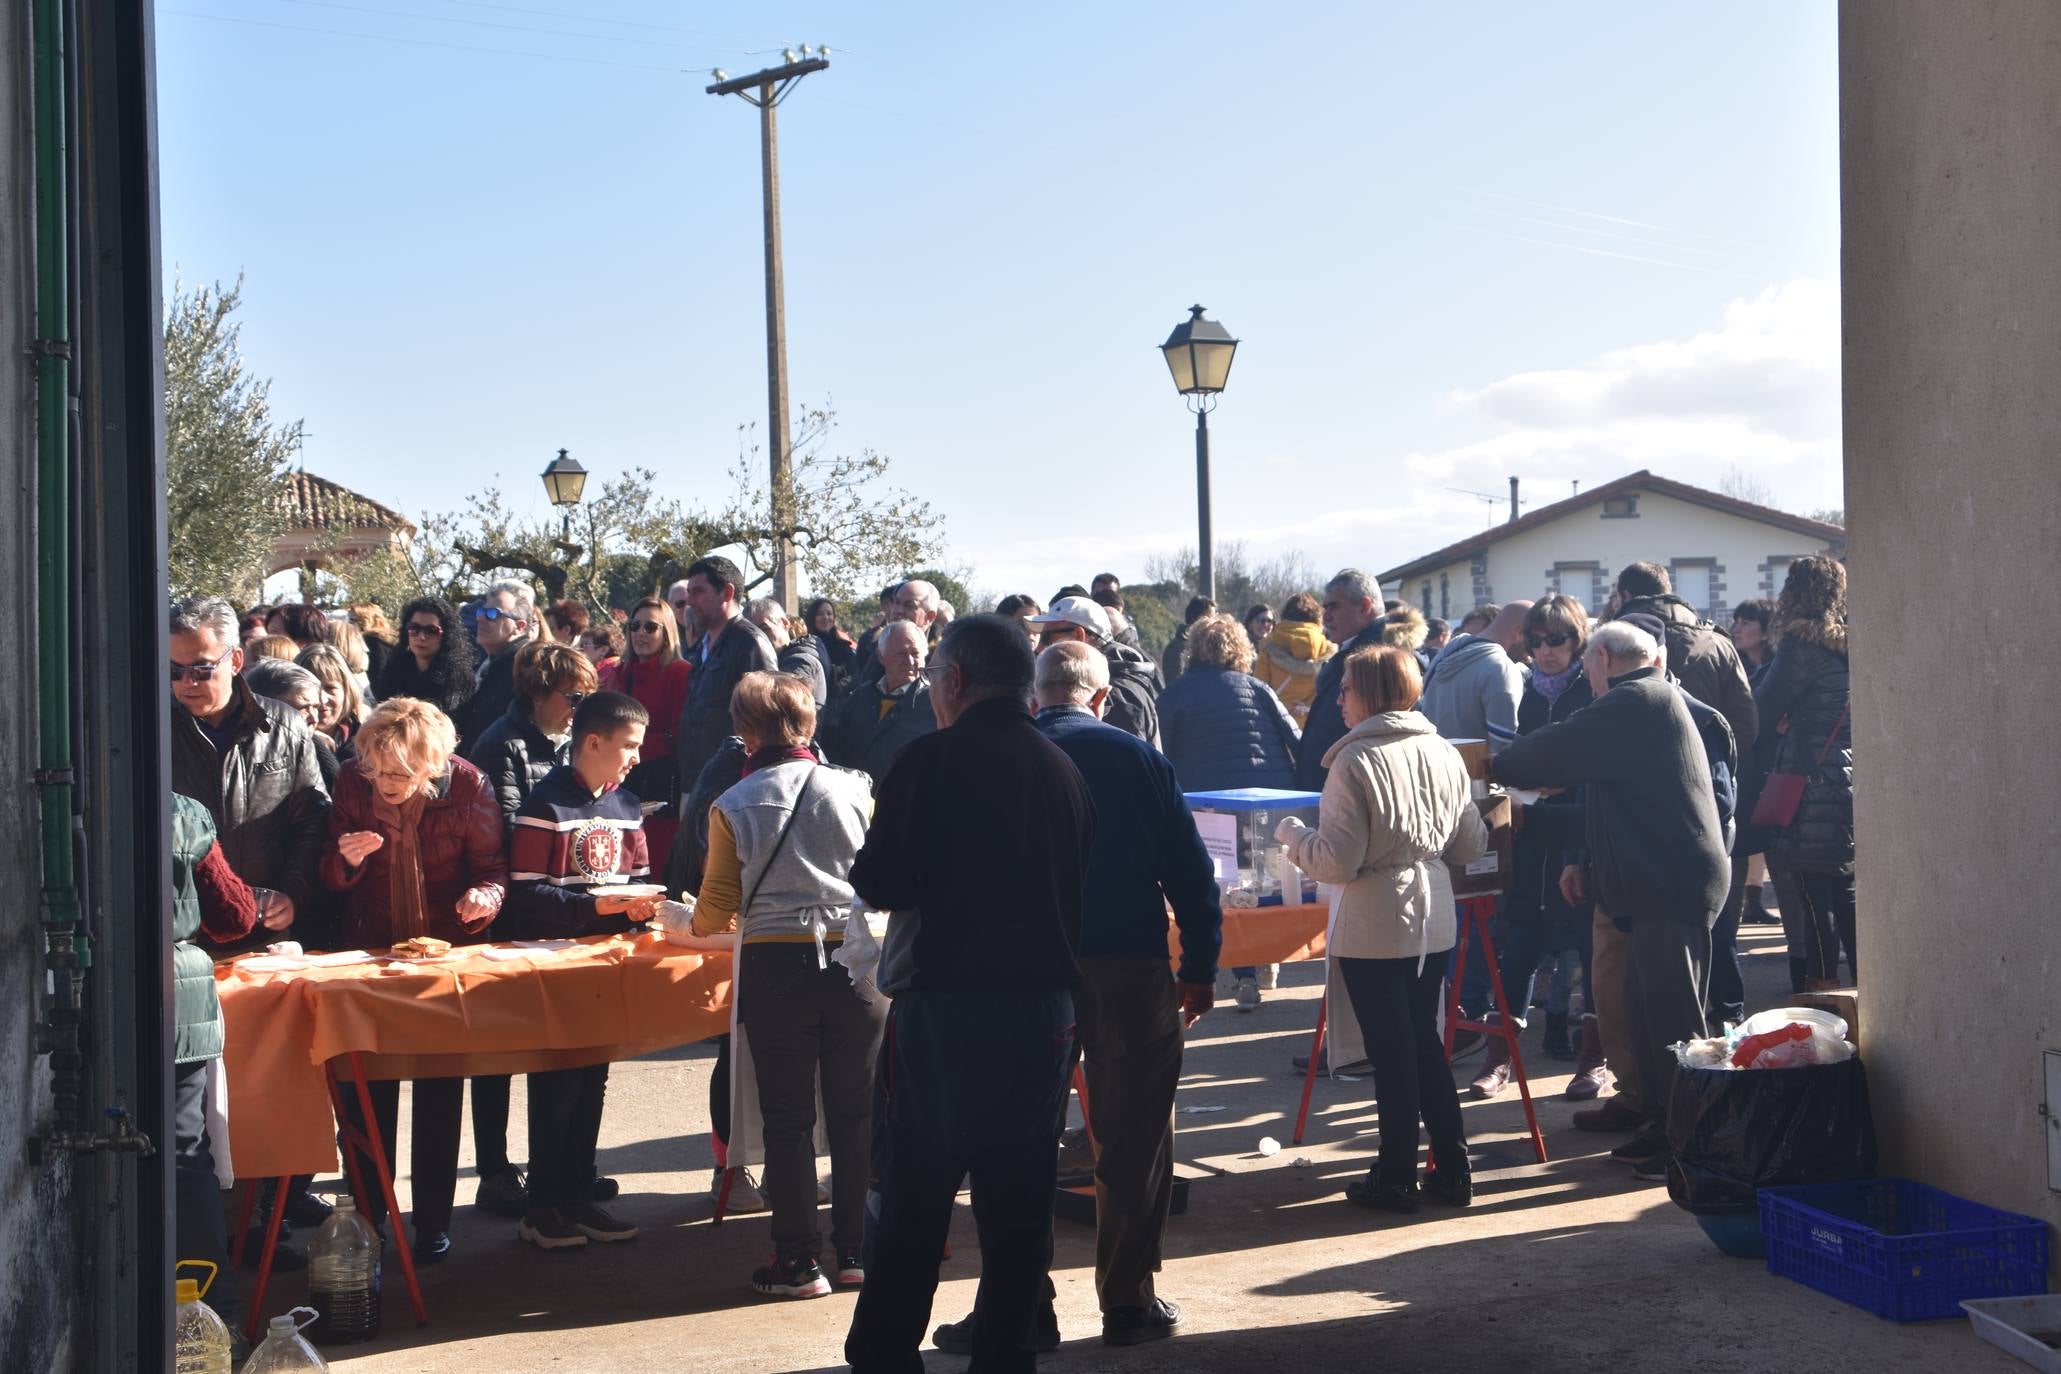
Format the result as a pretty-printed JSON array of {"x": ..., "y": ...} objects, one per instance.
[{"x": 1900, "y": 1249}]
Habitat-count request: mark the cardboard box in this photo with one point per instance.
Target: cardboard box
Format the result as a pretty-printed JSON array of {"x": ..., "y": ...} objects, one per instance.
[
  {"x": 1491, "y": 872},
  {"x": 1844, "y": 1003}
]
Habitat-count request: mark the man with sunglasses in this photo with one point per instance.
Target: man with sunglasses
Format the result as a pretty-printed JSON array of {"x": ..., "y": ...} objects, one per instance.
[
  {"x": 251, "y": 761},
  {"x": 505, "y": 621}
]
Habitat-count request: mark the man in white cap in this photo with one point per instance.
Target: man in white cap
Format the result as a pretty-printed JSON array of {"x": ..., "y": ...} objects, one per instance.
[{"x": 1133, "y": 686}]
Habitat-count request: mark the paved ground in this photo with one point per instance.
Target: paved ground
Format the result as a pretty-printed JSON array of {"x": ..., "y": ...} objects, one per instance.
[{"x": 1564, "y": 1266}]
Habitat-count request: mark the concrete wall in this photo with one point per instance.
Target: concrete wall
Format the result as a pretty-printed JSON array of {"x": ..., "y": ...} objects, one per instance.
[
  {"x": 39, "y": 1276},
  {"x": 1950, "y": 117},
  {"x": 1665, "y": 529}
]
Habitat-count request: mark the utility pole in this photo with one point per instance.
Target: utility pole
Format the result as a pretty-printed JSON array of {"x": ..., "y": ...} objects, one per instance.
[{"x": 766, "y": 89}]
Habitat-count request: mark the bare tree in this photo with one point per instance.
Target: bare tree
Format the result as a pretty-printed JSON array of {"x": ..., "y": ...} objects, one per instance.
[{"x": 1741, "y": 485}]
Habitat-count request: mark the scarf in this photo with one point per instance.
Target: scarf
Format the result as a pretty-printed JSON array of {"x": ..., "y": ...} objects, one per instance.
[
  {"x": 1551, "y": 687},
  {"x": 770, "y": 754},
  {"x": 407, "y": 909}
]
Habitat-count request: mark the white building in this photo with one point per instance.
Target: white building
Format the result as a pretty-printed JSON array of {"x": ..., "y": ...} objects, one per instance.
[{"x": 1718, "y": 550}]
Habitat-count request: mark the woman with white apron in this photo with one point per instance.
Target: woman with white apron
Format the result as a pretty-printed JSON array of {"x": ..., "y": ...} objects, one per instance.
[
  {"x": 780, "y": 846},
  {"x": 1397, "y": 802}
]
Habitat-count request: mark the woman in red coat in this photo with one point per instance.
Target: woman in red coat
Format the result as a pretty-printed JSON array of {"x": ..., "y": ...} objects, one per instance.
[
  {"x": 415, "y": 846},
  {"x": 652, "y": 671}
]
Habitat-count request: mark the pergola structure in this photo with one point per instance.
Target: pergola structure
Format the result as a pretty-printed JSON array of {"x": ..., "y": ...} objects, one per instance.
[{"x": 327, "y": 523}]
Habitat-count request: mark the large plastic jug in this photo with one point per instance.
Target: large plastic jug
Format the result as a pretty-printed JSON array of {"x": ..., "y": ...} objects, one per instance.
[
  {"x": 343, "y": 1277},
  {"x": 284, "y": 1350},
  {"x": 200, "y": 1339}
]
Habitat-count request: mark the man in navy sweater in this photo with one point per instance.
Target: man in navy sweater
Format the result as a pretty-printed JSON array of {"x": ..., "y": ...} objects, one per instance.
[{"x": 578, "y": 830}]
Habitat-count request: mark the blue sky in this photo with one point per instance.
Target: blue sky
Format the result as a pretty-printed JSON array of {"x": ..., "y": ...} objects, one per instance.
[{"x": 1459, "y": 243}]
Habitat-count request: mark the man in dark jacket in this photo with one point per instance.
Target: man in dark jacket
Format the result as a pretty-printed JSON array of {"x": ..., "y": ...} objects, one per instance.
[
  {"x": 1656, "y": 854},
  {"x": 505, "y": 621},
  {"x": 873, "y": 722},
  {"x": 730, "y": 646},
  {"x": 981, "y": 968},
  {"x": 1133, "y": 685},
  {"x": 1699, "y": 656},
  {"x": 249, "y": 760},
  {"x": 1352, "y": 621},
  {"x": 1146, "y": 857},
  {"x": 1174, "y": 657}
]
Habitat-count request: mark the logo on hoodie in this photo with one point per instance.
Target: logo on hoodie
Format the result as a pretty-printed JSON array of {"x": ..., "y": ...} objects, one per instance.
[{"x": 597, "y": 850}]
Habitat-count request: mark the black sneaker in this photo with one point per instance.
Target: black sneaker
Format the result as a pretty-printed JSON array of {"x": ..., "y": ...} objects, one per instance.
[
  {"x": 1653, "y": 1168},
  {"x": 1137, "y": 1325},
  {"x": 1641, "y": 1147},
  {"x": 1453, "y": 1187},
  {"x": 956, "y": 1338},
  {"x": 606, "y": 1189},
  {"x": 503, "y": 1194},
  {"x": 305, "y": 1209},
  {"x": 548, "y": 1229},
  {"x": 799, "y": 1278},
  {"x": 1383, "y": 1197},
  {"x": 851, "y": 1268},
  {"x": 595, "y": 1224}
]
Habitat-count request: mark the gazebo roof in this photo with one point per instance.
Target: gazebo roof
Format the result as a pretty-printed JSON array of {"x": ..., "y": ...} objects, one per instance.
[{"x": 318, "y": 504}]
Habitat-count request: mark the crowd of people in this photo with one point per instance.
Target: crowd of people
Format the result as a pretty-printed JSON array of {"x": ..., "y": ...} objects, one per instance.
[{"x": 471, "y": 774}]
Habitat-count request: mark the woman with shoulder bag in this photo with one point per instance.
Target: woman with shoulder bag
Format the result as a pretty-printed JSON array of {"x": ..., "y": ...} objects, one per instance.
[
  {"x": 780, "y": 849},
  {"x": 1807, "y": 800}
]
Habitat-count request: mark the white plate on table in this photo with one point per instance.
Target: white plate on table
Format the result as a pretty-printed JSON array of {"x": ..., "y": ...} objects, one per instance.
[{"x": 628, "y": 890}]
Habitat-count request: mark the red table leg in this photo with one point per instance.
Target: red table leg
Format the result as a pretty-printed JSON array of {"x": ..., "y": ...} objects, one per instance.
[
  {"x": 1309, "y": 1077},
  {"x": 1509, "y": 1035},
  {"x": 1474, "y": 915},
  {"x": 271, "y": 1248},
  {"x": 366, "y": 1136},
  {"x": 1080, "y": 1087}
]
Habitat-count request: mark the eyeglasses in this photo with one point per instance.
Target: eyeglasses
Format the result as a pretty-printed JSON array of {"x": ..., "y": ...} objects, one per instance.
[
  {"x": 644, "y": 627},
  {"x": 573, "y": 699},
  {"x": 680, "y": 605},
  {"x": 198, "y": 672},
  {"x": 930, "y": 671},
  {"x": 495, "y": 613},
  {"x": 425, "y": 631},
  {"x": 1552, "y": 641}
]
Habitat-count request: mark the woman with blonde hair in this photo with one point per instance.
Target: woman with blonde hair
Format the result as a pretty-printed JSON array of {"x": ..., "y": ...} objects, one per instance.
[
  {"x": 415, "y": 847},
  {"x": 272, "y": 646},
  {"x": 349, "y": 641},
  {"x": 381, "y": 638},
  {"x": 343, "y": 705},
  {"x": 1398, "y": 806},
  {"x": 652, "y": 671}
]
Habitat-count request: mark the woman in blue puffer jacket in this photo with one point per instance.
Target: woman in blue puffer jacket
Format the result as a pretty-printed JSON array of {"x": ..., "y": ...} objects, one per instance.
[{"x": 1220, "y": 726}]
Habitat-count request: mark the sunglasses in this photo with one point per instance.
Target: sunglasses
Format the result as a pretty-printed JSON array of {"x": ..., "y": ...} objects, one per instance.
[
  {"x": 495, "y": 613},
  {"x": 426, "y": 631},
  {"x": 573, "y": 699},
  {"x": 644, "y": 627},
  {"x": 1552, "y": 641},
  {"x": 198, "y": 672}
]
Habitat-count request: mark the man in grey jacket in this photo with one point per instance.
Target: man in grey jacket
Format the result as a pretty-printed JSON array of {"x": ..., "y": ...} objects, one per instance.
[
  {"x": 1656, "y": 853},
  {"x": 1476, "y": 684}
]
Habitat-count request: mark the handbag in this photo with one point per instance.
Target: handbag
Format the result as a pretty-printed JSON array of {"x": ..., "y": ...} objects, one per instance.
[{"x": 1782, "y": 794}]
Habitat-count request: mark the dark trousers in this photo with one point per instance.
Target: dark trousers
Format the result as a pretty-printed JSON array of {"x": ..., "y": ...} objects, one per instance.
[
  {"x": 1667, "y": 967},
  {"x": 1520, "y": 947},
  {"x": 719, "y": 1098},
  {"x": 974, "y": 1084},
  {"x": 806, "y": 1021},
  {"x": 490, "y": 1125},
  {"x": 197, "y": 1225},
  {"x": 1129, "y": 1016},
  {"x": 432, "y": 1147},
  {"x": 1827, "y": 921},
  {"x": 1397, "y": 1008},
  {"x": 1727, "y": 1000},
  {"x": 565, "y": 1129}
]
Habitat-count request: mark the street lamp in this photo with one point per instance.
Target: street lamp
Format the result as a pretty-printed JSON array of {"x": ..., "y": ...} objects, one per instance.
[
  {"x": 564, "y": 480},
  {"x": 1199, "y": 353}
]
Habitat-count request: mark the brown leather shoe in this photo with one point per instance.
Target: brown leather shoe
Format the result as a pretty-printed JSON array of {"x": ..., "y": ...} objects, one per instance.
[
  {"x": 1495, "y": 1071},
  {"x": 1589, "y": 1072}
]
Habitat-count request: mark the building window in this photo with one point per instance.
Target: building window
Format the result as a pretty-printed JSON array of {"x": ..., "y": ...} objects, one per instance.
[
  {"x": 1445, "y": 598},
  {"x": 1426, "y": 599},
  {"x": 1621, "y": 508},
  {"x": 1584, "y": 582},
  {"x": 1695, "y": 582},
  {"x": 1777, "y": 574}
]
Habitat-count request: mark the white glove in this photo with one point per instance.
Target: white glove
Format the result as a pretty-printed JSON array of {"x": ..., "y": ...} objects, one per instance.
[{"x": 1288, "y": 830}]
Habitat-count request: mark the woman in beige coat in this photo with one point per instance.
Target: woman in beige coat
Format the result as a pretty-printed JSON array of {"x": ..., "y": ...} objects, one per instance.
[{"x": 1397, "y": 801}]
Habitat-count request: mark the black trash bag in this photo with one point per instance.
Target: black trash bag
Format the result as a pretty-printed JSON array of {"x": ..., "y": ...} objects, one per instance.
[{"x": 1736, "y": 1131}]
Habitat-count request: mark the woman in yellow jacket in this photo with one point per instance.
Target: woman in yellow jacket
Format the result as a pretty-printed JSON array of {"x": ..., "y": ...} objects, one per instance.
[{"x": 1292, "y": 653}]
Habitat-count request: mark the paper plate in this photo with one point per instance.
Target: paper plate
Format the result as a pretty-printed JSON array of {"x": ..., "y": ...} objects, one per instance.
[{"x": 628, "y": 890}]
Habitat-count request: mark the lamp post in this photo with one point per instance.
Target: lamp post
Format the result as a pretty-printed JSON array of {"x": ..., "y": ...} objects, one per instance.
[
  {"x": 564, "y": 480},
  {"x": 1199, "y": 353},
  {"x": 766, "y": 89}
]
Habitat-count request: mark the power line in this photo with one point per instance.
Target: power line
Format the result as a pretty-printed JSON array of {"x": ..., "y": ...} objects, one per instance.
[
  {"x": 428, "y": 43},
  {"x": 595, "y": 19},
  {"x": 493, "y": 24}
]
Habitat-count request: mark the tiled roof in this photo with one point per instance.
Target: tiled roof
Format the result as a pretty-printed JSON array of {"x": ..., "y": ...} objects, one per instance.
[
  {"x": 1641, "y": 480},
  {"x": 316, "y": 503}
]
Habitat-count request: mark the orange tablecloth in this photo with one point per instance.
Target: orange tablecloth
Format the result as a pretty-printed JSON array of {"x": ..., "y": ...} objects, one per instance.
[{"x": 612, "y": 997}]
